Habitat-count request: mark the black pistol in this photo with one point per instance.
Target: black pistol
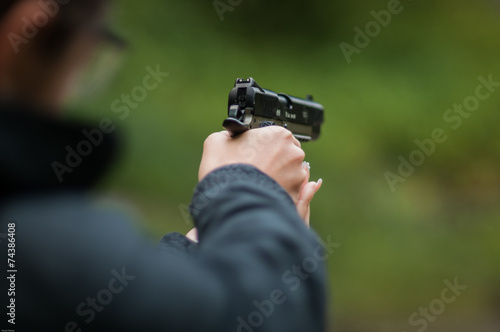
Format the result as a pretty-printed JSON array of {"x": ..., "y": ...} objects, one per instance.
[{"x": 251, "y": 106}]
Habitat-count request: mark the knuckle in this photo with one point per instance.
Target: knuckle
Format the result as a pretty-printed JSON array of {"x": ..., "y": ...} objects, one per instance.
[
  {"x": 210, "y": 139},
  {"x": 301, "y": 155},
  {"x": 277, "y": 130},
  {"x": 287, "y": 134}
]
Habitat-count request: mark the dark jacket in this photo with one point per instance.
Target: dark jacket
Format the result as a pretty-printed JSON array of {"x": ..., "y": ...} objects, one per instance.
[{"x": 80, "y": 266}]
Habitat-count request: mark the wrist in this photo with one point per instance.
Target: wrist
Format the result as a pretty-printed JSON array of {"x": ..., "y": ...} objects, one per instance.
[{"x": 220, "y": 179}]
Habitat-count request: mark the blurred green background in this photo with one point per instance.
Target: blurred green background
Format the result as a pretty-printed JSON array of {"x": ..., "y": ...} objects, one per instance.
[{"x": 397, "y": 247}]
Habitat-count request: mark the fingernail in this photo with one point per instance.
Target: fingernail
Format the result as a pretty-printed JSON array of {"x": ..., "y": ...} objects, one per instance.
[
  {"x": 306, "y": 165},
  {"x": 318, "y": 184}
]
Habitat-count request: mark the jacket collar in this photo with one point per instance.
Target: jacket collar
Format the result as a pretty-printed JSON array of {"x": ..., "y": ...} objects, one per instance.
[{"x": 40, "y": 152}]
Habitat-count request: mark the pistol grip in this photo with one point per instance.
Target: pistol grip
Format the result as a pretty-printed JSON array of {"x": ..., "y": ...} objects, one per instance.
[{"x": 235, "y": 127}]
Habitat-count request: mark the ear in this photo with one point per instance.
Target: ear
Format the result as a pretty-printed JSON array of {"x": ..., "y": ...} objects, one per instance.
[{"x": 20, "y": 25}]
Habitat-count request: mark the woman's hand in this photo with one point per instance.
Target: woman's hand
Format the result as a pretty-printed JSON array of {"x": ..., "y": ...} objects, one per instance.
[
  {"x": 273, "y": 150},
  {"x": 309, "y": 189}
]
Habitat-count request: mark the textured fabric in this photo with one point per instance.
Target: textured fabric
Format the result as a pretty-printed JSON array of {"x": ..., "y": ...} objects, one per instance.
[
  {"x": 177, "y": 243},
  {"x": 83, "y": 267}
]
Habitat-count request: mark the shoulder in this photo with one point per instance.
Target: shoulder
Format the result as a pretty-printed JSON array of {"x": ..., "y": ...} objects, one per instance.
[{"x": 63, "y": 223}]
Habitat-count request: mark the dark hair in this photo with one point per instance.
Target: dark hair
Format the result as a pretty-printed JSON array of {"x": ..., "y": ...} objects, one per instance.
[
  {"x": 5, "y": 6},
  {"x": 72, "y": 16}
]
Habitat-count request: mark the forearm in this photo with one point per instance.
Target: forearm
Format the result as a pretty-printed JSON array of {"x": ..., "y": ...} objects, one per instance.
[{"x": 249, "y": 229}]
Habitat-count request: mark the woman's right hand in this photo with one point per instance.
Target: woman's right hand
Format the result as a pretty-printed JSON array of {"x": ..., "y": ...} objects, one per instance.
[{"x": 273, "y": 150}]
